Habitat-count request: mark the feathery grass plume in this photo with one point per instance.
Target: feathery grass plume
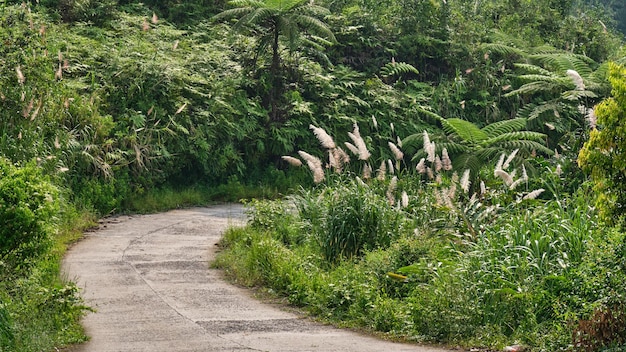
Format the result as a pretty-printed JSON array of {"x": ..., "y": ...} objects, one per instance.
[
  {"x": 28, "y": 108},
  {"x": 516, "y": 183},
  {"x": 399, "y": 142},
  {"x": 430, "y": 173},
  {"x": 429, "y": 148},
  {"x": 351, "y": 147},
  {"x": 397, "y": 153},
  {"x": 508, "y": 180},
  {"x": 175, "y": 45},
  {"x": 421, "y": 166},
  {"x": 534, "y": 194},
  {"x": 524, "y": 173},
  {"x": 483, "y": 188},
  {"x": 341, "y": 155},
  {"x": 393, "y": 128},
  {"x": 336, "y": 160},
  {"x": 360, "y": 182},
  {"x": 438, "y": 164},
  {"x": 391, "y": 189},
  {"x": 465, "y": 181},
  {"x": 445, "y": 197},
  {"x": 509, "y": 159},
  {"x": 452, "y": 191},
  {"x": 367, "y": 171},
  {"x": 438, "y": 179},
  {"x": 315, "y": 164},
  {"x": 390, "y": 167},
  {"x": 374, "y": 122},
  {"x": 325, "y": 139},
  {"x": 355, "y": 135},
  {"x": 20, "y": 76},
  {"x": 57, "y": 144},
  {"x": 499, "y": 164},
  {"x": 404, "y": 199},
  {"x": 446, "y": 163},
  {"x": 577, "y": 79},
  {"x": 591, "y": 118},
  {"x": 154, "y": 19},
  {"x": 145, "y": 26},
  {"x": 559, "y": 170},
  {"x": 382, "y": 170},
  {"x": 36, "y": 112},
  {"x": 438, "y": 199}
]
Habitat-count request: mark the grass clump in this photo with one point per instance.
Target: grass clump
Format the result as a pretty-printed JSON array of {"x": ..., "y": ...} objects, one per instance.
[{"x": 428, "y": 257}]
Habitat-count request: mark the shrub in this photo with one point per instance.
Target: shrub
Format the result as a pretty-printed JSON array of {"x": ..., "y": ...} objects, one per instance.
[{"x": 28, "y": 207}]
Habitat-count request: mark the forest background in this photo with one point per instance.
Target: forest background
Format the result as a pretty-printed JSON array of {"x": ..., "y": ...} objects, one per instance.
[{"x": 483, "y": 203}]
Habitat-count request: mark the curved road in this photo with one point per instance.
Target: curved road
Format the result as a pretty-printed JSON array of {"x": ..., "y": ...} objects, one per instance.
[{"x": 148, "y": 278}]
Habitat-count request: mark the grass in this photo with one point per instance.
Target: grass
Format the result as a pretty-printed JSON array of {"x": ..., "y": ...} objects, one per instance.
[{"x": 526, "y": 275}]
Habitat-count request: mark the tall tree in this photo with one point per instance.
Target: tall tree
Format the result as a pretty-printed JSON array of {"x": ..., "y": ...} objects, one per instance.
[{"x": 294, "y": 22}]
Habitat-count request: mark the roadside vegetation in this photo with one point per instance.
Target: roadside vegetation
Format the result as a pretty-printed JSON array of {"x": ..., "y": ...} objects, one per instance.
[{"x": 461, "y": 177}]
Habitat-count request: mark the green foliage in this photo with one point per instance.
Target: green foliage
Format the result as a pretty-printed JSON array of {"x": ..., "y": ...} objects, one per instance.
[
  {"x": 28, "y": 208},
  {"x": 603, "y": 156}
]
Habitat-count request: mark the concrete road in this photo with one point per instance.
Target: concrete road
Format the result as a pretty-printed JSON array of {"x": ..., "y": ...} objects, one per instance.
[{"x": 148, "y": 278}]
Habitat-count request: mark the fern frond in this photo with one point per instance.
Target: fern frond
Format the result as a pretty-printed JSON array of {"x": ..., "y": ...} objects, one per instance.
[
  {"x": 527, "y": 146},
  {"x": 282, "y": 5},
  {"x": 552, "y": 78},
  {"x": 498, "y": 48},
  {"x": 532, "y": 88},
  {"x": 506, "y": 126},
  {"x": 533, "y": 69},
  {"x": 392, "y": 69},
  {"x": 562, "y": 62},
  {"x": 467, "y": 161},
  {"x": 465, "y": 130},
  {"x": 232, "y": 13},
  {"x": 538, "y": 110},
  {"x": 575, "y": 95},
  {"x": 515, "y": 136}
]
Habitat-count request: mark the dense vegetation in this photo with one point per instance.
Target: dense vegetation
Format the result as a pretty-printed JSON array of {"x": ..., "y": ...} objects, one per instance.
[{"x": 119, "y": 105}]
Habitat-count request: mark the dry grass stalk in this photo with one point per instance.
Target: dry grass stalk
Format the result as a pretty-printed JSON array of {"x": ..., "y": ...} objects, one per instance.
[
  {"x": 20, "y": 76},
  {"x": 499, "y": 164},
  {"x": 509, "y": 159},
  {"x": 390, "y": 167},
  {"x": 367, "y": 172},
  {"x": 352, "y": 148},
  {"x": 438, "y": 164},
  {"x": 577, "y": 79},
  {"x": 391, "y": 189},
  {"x": 508, "y": 180},
  {"x": 421, "y": 166},
  {"x": 404, "y": 199},
  {"x": 445, "y": 160},
  {"x": 465, "y": 181},
  {"x": 534, "y": 194},
  {"x": 382, "y": 170},
  {"x": 397, "y": 153},
  {"x": 363, "y": 153},
  {"x": 292, "y": 161},
  {"x": 324, "y": 138},
  {"x": 315, "y": 165}
]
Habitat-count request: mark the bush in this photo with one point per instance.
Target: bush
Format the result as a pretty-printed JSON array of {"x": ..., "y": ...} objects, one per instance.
[{"x": 28, "y": 207}]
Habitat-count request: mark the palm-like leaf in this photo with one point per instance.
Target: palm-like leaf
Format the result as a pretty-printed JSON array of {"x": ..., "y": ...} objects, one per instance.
[
  {"x": 505, "y": 126},
  {"x": 467, "y": 131}
]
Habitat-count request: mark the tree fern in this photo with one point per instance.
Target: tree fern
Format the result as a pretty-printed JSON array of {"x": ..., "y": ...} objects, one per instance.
[
  {"x": 505, "y": 126},
  {"x": 467, "y": 131}
]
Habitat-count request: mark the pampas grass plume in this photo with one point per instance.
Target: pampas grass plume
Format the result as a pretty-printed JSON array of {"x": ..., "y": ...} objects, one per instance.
[
  {"x": 404, "y": 199},
  {"x": 314, "y": 164},
  {"x": 534, "y": 194},
  {"x": 577, "y": 79},
  {"x": 465, "y": 181},
  {"x": 509, "y": 159},
  {"x": 397, "y": 153},
  {"x": 20, "y": 76},
  {"x": 421, "y": 166},
  {"x": 367, "y": 171},
  {"x": 508, "y": 180},
  {"x": 445, "y": 160},
  {"x": 325, "y": 139},
  {"x": 382, "y": 170}
]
